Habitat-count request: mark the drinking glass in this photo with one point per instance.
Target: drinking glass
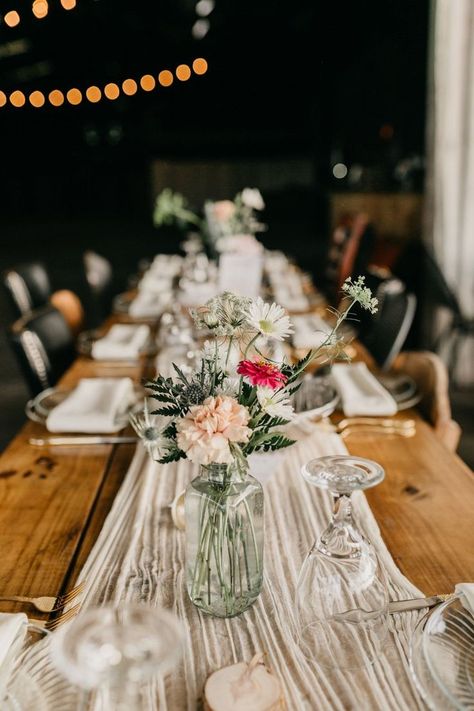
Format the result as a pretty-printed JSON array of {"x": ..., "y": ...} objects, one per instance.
[
  {"x": 111, "y": 652},
  {"x": 342, "y": 596}
]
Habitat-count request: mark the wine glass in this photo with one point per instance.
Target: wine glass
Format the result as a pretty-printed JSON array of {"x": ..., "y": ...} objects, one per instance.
[
  {"x": 342, "y": 596},
  {"x": 114, "y": 651}
]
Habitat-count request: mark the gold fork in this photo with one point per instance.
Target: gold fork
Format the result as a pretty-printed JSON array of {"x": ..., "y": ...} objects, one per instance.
[
  {"x": 53, "y": 624},
  {"x": 45, "y": 603}
]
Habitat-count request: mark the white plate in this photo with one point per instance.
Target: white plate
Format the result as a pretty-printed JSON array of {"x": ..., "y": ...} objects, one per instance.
[
  {"x": 39, "y": 407},
  {"x": 402, "y": 388}
]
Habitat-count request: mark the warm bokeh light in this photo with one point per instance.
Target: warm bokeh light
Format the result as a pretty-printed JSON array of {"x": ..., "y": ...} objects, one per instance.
[
  {"x": 183, "y": 72},
  {"x": 17, "y": 99},
  {"x": 74, "y": 96},
  {"x": 3, "y": 99},
  {"x": 36, "y": 99},
  {"x": 40, "y": 9},
  {"x": 68, "y": 4},
  {"x": 199, "y": 66},
  {"x": 165, "y": 78},
  {"x": 147, "y": 82},
  {"x": 386, "y": 132},
  {"x": 94, "y": 94},
  {"x": 12, "y": 18},
  {"x": 56, "y": 97},
  {"x": 111, "y": 91},
  {"x": 129, "y": 87}
]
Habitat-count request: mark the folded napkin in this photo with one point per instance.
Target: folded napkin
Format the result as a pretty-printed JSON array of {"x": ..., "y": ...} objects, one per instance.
[
  {"x": 94, "y": 405},
  {"x": 361, "y": 393},
  {"x": 123, "y": 342},
  {"x": 310, "y": 331},
  {"x": 12, "y": 637},
  {"x": 467, "y": 595},
  {"x": 148, "y": 304}
]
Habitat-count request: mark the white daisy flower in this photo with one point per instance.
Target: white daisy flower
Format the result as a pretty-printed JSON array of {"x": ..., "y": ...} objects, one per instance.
[
  {"x": 275, "y": 404},
  {"x": 147, "y": 428},
  {"x": 269, "y": 319}
]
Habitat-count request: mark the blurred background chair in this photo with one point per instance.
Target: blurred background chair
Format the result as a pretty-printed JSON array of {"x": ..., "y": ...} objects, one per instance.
[
  {"x": 44, "y": 347},
  {"x": 27, "y": 287},
  {"x": 431, "y": 376},
  {"x": 349, "y": 254},
  {"x": 385, "y": 334},
  {"x": 99, "y": 277}
]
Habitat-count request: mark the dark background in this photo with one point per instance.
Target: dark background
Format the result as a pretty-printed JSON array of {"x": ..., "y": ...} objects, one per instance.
[{"x": 292, "y": 89}]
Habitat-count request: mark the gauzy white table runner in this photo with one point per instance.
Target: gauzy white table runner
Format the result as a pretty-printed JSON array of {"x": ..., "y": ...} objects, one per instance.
[{"x": 139, "y": 557}]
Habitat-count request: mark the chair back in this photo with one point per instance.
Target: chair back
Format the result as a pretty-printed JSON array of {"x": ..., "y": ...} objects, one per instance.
[
  {"x": 431, "y": 377},
  {"x": 390, "y": 326},
  {"x": 44, "y": 347},
  {"x": 350, "y": 251},
  {"x": 28, "y": 287}
]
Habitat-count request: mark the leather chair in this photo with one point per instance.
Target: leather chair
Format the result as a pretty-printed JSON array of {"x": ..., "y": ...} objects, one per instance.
[
  {"x": 385, "y": 333},
  {"x": 28, "y": 287},
  {"x": 44, "y": 347}
]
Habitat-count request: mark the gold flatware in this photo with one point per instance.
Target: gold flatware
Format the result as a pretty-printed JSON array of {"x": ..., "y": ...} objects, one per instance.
[
  {"x": 79, "y": 440},
  {"x": 57, "y": 621},
  {"x": 47, "y": 603},
  {"x": 376, "y": 422},
  {"x": 358, "y": 430}
]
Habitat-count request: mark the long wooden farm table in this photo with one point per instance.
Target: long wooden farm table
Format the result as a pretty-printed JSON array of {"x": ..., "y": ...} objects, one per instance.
[{"x": 53, "y": 502}]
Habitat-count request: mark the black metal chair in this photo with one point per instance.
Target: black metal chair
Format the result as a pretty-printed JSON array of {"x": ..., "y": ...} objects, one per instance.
[
  {"x": 385, "y": 335},
  {"x": 27, "y": 286},
  {"x": 44, "y": 347}
]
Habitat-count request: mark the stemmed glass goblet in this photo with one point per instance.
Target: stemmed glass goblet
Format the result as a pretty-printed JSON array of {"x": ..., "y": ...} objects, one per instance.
[
  {"x": 342, "y": 597},
  {"x": 113, "y": 651}
]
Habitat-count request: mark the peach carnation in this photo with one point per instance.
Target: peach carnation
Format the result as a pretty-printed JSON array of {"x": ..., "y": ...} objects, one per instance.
[{"x": 206, "y": 430}]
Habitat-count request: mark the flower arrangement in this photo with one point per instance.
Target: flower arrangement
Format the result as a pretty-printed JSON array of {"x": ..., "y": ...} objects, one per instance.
[
  {"x": 234, "y": 404},
  {"x": 221, "y": 219}
]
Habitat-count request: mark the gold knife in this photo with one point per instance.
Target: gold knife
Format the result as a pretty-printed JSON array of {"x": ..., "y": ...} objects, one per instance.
[{"x": 80, "y": 440}]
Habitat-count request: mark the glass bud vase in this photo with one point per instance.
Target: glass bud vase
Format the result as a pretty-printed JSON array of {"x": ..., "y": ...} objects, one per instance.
[{"x": 224, "y": 539}]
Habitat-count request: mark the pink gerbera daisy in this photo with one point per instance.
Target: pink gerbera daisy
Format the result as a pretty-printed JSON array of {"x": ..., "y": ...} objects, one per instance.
[{"x": 261, "y": 373}]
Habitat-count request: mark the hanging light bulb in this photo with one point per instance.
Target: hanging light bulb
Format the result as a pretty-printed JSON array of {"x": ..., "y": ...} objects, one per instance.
[
  {"x": 40, "y": 8},
  {"x": 12, "y": 18}
]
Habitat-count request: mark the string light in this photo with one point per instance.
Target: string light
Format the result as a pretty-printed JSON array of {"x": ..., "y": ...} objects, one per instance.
[
  {"x": 111, "y": 90},
  {"x": 12, "y": 18},
  {"x": 165, "y": 77},
  {"x": 129, "y": 87},
  {"x": 200, "y": 66},
  {"x": 147, "y": 82},
  {"x": 40, "y": 9},
  {"x": 36, "y": 99},
  {"x": 93, "y": 94},
  {"x": 74, "y": 96},
  {"x": 56, "y": 97},
  {"x": 17, "y": 99},
  {"x": 183, "y": 72},
  {"x": 68, "y": 4}
]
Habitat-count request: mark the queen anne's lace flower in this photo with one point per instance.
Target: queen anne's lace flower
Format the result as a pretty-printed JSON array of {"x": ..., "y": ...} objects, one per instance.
[{"x": 360, "y": 293}]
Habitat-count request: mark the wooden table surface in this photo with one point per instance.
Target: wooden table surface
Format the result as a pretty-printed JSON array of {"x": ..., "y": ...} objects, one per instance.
[{"x": 54, "y": 500}]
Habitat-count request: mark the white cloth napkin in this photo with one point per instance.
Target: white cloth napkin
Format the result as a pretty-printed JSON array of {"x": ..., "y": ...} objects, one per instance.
[
  {"x": 124, "y": 341},
  {"x": 12, "y": 636},
  {"x": 361, "y": 393},
  {"x": 149, "y": 304},
  {"x": 93, "y": 406},
  {"x": 310, "y": 331},
  {"x": 467, "y": 599}
]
